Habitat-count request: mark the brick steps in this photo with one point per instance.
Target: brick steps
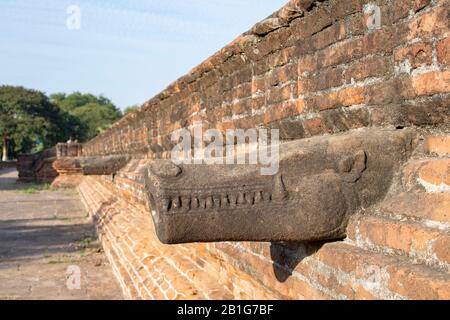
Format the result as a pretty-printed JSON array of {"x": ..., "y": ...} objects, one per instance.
[
  {"x": 414, "y": 240},
  {"x": 409, "y": 232},
  {"x": 438, "y": 145},
  {"x": 154, "y": 270},
  {"x": 419, "y": 206},
  {"x": 433, "y": 175},
  {"x": 391, "y": 277}
]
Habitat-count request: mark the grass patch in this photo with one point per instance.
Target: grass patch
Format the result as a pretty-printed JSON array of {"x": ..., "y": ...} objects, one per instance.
[
  {"x": 85, "y": 242},
  {"x": 62, "y": 261},
  {"x": 36, "y": 188}
]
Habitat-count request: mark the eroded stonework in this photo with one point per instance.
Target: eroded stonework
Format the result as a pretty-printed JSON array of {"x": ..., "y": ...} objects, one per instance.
[{"x": 320, "y": 183}]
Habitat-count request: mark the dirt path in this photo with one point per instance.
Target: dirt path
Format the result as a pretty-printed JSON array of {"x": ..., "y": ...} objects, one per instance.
[{"x": 48, "y": 247}]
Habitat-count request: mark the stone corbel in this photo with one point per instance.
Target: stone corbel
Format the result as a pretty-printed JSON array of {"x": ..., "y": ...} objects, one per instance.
[
  {"x": 321, "y": 182},
  {"x": 106, "y": 165}
]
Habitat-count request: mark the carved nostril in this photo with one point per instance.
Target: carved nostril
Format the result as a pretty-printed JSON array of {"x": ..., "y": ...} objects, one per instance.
[{"x": 165, "y": 169}]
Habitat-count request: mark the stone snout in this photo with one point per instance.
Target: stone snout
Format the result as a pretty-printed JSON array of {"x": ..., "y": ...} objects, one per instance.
[
  {"x": 72, "y": 169},
  {"x": 321, "y": 182},
  {"x": 106, "y": 165}
]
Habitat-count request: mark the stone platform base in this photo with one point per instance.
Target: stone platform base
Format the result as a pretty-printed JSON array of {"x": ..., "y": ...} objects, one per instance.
[{"x": 398, "y": 250}]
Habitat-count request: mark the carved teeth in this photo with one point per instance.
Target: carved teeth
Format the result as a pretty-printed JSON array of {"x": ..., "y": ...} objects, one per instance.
[
  {"x": 233, "y": 199},
  {"x": 195, "y": 203},
  {"x": 167, "y": 203},
  {"x": 176, "y": 203},
  {"x": 209, "y": 202},
  {"x": 266, "y": 196},
  {"x": 203, "y": 203},
  {"x": 241, "y": 198},
  {"x": 250, "y": 198},
  {"x": 258, "y": 197},
  {"x": 186, "y": 203},
  {"x": 224, "y": 201},
  {"x": 216, "y": 200}
]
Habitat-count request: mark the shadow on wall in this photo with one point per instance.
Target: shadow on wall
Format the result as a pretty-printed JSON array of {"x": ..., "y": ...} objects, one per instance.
[{"x": 286, "y": 256}]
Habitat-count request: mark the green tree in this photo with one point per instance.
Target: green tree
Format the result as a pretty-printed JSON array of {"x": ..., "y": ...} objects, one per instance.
[
  {"x": 95, "y": 114},
  {"x": 28, "y": 121}
]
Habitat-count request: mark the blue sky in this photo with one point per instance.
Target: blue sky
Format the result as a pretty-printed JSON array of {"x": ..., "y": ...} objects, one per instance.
[{"x": 128, "y": 50}]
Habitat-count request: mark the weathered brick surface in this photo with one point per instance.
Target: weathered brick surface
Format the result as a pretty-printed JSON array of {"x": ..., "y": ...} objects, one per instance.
[
  {"x": 419, "y": 205},
  {"x": 321, "y": 61},
  {"x": 322, "y": 71},
  {"x": 409, "y": 238},
  {"x": 433, "y": 175},
  {"x": 438, "y": 145}
]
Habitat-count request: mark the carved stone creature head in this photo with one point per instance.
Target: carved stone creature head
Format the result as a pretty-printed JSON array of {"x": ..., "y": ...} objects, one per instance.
[{"x": 321, "y": 182}]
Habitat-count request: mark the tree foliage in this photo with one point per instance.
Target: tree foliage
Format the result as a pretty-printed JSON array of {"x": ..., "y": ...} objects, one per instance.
[
  {"x": 28, "y": 120},
  {"x": 95, "y": 114}
]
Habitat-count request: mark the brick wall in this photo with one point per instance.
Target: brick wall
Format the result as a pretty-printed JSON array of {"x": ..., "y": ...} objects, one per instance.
[
  {"x": 322, "y": 72},
  {"x": 312, "y": 68}
]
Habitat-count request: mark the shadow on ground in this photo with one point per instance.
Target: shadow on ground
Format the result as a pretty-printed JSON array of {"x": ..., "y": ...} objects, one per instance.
[
  {"x": 42, "y": 234},
  {"x": 22, "y": 239}
]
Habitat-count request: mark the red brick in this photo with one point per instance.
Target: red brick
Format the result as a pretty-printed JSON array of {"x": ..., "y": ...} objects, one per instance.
[
  {"x": 280, "y": 94},
  {"x": 284, "y": 110},
  {"x": 342, "y": 52},
  {"x": 335, "y": 99},
  {"x": 439, "y": 145},
  {"x": 371, "y": 67},
  {"x": 431, "y": 83},
  {"x": 419, "y": 283},
  {"x": 443, "y": 51},
  {"x": 418, "y": 54},
  {"x": 307, "y": 63},
  {"x": 394, "y": 90},
  {"x": 432, "y": 23},
  {"x": 433, "y": 172},
  {"x": 329, "y": 35},
  {"x": 315, "y": 126},
  {"x": 420, "y": 205},
  {"x": 352, "y": 260},
  {"x": 282, "y": 75},
  {"x": 442, "y": 249},
  {"x": 406, "y": 237}
]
